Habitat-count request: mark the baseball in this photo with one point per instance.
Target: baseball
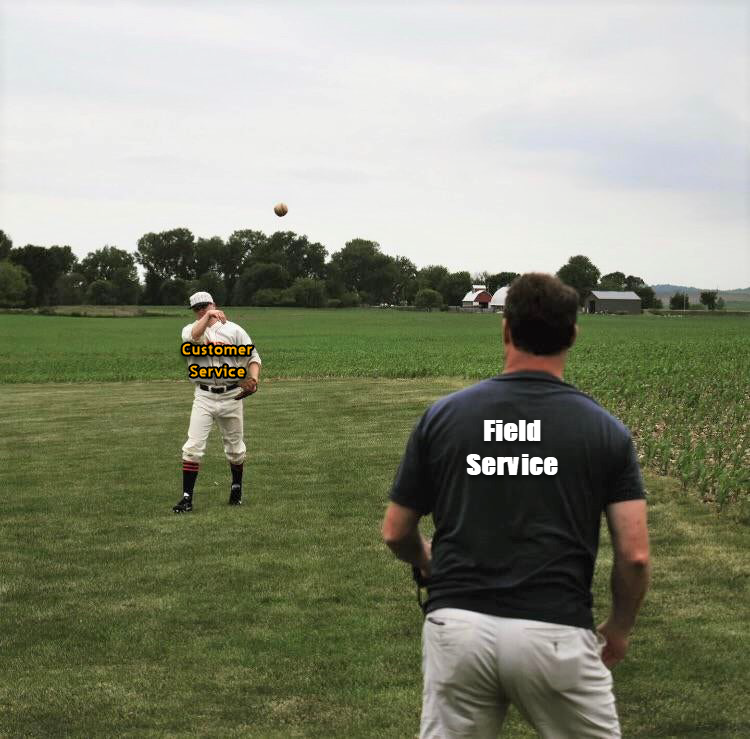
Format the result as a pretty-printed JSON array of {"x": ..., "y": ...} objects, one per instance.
[{"x": 280, "y": 209}]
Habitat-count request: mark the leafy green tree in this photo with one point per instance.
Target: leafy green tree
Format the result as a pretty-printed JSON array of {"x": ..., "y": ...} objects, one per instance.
[
  {"x": 405, "y": 287},
  {"x": 309, "y": 292},
  {"x": 355, "y": 262},
  {"x": 435, "y": 277},
  {"x": 657, "y": 304},
  {"x": 500, "y": 279},
  {"x": 287, "y": 299},
  {"x": 151, "y": 290},
  {"x": 428, "y": 298},
  {"x": 14, "y": 284},
  {"x": 103, "y": 263},
  {"x": 165, "y": 256},
  {"x": 116, "y": 266},
  {"x": 70, "y": 289},
  {"x": 647, "y": 296},
  {"x": 209, "y": 255},
  {"x": 44, "y": 265},
  {"x": 350, "y": 300},
  {"x": 209, "y": 282},
  {"x": 101, "y": 292},
  {"x": 634, "y": 283},
  {"x": 613, "y": 281},
  {"x": 6, "y": 244},
  {"x": 679, "y": 301},
  {"x": 382, "y": 283},
  {"x": 361, "y": 267},
  {"x": 267, "y": 296},
  {"x": 257, "y": 277},
  {"x": 580, "y": 274},
  {"x": 174, "y": 292},
  {"x": 720, "y": 303},
  {"x": 456, "y": 285},
  {"x": 235, "y": 256},
  {"x": 127, "y": 289},
  {"x": 708, "y": 298},
  {"x": 296, "y": 254}
]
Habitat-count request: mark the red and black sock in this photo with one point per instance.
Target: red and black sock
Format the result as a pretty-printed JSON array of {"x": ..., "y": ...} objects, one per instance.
[
  {"x": 189, "y": 473},
  {"x": 236, "y": 473}
]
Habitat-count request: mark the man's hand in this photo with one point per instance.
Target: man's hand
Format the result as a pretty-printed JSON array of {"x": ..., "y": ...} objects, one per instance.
[
  {"x": 426, "y": 569},
  {"x": 207, "y": 317},
  {"x": 249, "y": 386},
  {"x": 617, "y": 644}
]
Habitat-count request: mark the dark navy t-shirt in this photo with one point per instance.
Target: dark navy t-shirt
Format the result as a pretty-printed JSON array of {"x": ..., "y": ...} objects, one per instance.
[{"x": 515, "y": 545}]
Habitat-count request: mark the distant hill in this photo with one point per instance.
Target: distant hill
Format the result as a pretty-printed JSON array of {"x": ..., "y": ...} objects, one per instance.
[{"x": 738, "y": 299}]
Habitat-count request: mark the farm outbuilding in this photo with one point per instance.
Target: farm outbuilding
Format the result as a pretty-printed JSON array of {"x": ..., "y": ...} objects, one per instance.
[
  {"x": 610, "y": 301},
  {"x": 477, "y": 297},
  {"x": 498, "y": 299}
]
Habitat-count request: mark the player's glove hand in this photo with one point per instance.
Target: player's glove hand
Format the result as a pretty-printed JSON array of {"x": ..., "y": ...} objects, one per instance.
[{"x": 249, "y": 387}]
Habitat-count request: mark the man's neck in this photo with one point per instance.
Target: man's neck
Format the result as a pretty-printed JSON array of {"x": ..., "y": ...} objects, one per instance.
[{"x": 517, "y": 361}]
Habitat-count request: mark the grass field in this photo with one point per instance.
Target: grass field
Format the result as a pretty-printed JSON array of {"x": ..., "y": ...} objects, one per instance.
[
  {"x": 286, "y": 617},
  {"x": 681, "y": 384}
]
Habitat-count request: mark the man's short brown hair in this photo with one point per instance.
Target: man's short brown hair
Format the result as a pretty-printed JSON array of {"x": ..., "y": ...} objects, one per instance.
[{"x": 541, "y": 312}]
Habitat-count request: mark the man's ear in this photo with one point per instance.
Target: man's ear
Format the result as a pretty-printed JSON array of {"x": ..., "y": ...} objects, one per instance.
[
  {"x": 575, "y": 334},
  {"x": 506, "y": 332}
]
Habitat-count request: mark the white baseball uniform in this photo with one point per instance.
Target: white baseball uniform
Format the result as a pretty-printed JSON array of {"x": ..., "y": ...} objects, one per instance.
[{"x": 215, "y": 399}]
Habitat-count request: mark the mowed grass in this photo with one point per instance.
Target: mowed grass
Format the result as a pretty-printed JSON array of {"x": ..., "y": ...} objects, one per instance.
[
  {"x": 286, "y": 617},
  {"x": 682, "y": 384}
]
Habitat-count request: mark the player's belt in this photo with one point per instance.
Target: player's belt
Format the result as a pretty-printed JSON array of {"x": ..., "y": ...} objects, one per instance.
[{"x": 218, "y": 388}]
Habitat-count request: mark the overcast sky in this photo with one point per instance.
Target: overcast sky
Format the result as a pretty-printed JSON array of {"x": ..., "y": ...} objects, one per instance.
[{"x": 478, "y": 135}]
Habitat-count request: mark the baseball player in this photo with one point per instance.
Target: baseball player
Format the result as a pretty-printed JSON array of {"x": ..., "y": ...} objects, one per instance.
[{"x": 216, "y": 399}]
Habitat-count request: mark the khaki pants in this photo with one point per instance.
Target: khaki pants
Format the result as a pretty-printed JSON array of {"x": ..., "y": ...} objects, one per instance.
[
  {"x": 476, "y": 665},
  {"x": 228, "y": 414}
]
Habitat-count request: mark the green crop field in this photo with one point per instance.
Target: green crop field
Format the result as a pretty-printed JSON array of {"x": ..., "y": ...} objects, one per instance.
[
  {"x": 287, "y": 617},
  {"x": 682, "y": 384}
]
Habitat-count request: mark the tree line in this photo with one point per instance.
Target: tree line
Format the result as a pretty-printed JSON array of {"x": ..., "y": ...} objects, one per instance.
[
  {"x": 584, "y": 276},
  {"x": 252, "y": 268}
]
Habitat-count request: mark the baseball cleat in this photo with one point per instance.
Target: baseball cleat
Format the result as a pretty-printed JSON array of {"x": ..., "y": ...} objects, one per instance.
[
  {"x": 184, "y": 505},
  {"x": 235, "y": 495}
]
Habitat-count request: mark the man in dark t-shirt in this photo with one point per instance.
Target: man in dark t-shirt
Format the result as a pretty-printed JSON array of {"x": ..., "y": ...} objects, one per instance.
[{"x": 516, "y": 472}]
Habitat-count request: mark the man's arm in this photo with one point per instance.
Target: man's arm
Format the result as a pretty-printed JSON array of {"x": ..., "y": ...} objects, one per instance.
[
  {"x": 401, "y": 534},
  {"x": 253, "y": 371},
  {"x": 199, "y": 328},
  {"x": 250, "y": 384},
  {"x": 630, "y": 574}
]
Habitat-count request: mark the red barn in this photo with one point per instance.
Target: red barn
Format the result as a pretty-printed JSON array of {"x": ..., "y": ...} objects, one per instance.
[{"x": 477, "y": 297}]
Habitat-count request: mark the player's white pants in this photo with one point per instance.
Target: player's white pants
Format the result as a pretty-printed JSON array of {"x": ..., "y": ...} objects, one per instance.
[
  {"x": 228, "y": 414},
  {"x": 475, "y": 665}
]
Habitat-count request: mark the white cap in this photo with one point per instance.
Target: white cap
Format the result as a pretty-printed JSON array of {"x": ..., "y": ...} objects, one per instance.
[{"x": 198, "y": 298}]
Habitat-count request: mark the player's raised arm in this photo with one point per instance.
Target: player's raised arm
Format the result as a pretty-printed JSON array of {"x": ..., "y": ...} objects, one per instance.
[{"x": 207, "y": 315}]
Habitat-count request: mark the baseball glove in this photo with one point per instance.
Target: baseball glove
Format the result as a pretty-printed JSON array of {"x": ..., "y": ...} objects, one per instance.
[{"x": 249, "y": 387}]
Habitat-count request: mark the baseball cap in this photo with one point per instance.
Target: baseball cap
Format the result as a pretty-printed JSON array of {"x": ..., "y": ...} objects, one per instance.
[{"x": 200, "y": 298}]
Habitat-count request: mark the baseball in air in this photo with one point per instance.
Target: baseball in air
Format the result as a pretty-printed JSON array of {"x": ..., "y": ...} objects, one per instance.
[{"x": 280, "y": 209}]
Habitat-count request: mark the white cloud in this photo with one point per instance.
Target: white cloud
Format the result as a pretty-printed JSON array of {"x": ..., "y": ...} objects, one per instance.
[{"x": 478, "y": 135}]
